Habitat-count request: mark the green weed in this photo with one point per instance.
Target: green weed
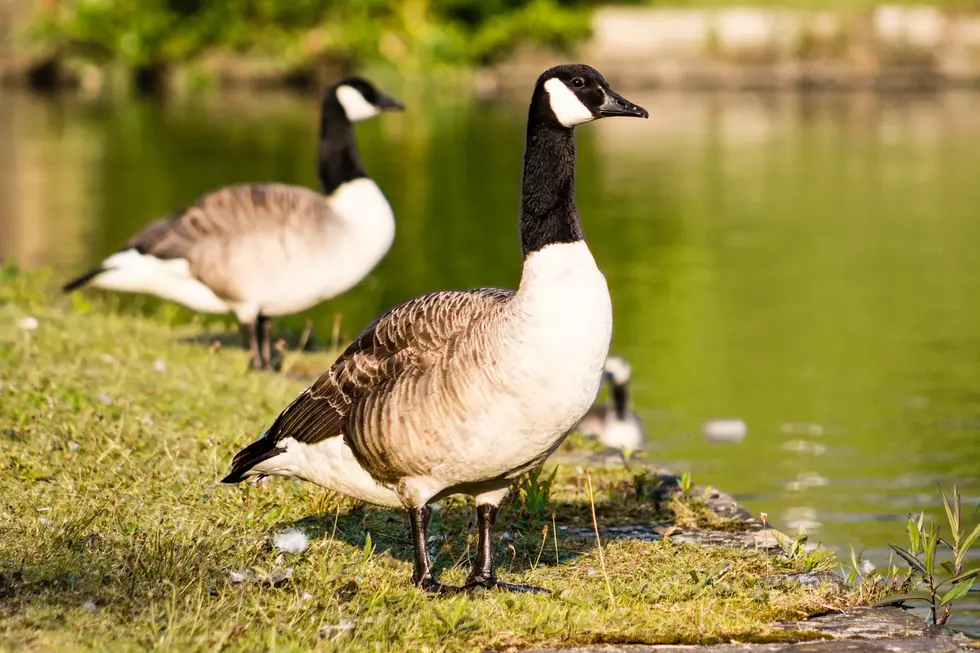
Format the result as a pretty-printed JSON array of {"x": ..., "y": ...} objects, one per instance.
[{"x": 939, "y": 583}]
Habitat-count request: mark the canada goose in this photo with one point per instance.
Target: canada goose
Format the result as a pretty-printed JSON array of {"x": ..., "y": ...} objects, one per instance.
[
  {"x": 614, "y": 423},
  {"x": 262, "y": 250},
  {"x": 463, "y": 391}
]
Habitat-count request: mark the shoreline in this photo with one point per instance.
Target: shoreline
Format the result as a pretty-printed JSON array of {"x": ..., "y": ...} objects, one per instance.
[{"x": 891, "y": 48}]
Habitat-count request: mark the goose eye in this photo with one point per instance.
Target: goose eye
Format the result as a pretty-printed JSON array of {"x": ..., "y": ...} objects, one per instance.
[{"x": 578, "y": 82}]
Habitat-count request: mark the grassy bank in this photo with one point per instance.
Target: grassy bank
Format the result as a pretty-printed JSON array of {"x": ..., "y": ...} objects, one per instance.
[{"x": 116, "y": 535}]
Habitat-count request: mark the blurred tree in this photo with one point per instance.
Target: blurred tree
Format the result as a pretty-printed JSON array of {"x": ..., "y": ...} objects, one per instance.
[{"x": 406, "y": 33}]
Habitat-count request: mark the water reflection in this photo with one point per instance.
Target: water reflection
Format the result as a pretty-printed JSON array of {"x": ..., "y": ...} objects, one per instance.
[{"x": 804, "y": 263}]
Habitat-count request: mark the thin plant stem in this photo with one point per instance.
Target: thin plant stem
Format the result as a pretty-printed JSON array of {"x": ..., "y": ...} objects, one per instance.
[
  {"x": 554, "y": 532},
  {"x": 336, "y": 517},
  {"x": 544, "y": 542},
  {"x": 290, "y": 359},
  {"x": 338, "y": 319},
  {"x": 598, "y": 540}
]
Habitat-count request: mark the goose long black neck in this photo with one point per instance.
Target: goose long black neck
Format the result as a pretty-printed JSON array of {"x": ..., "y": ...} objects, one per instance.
[
  {"x": 621, "y": 401},
  {"x": 339, "y": 159},
  {"x": 548, "y": 211}
]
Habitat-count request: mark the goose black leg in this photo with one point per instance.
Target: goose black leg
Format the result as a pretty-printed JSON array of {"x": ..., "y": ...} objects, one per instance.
[
  {"x": 626, "y": 460},
  {"x": 254, "y": 342},
  {"x": 483, "y": 574},
  {"x": 264, "y": 329},
  {"x": 422, "y": 572}
]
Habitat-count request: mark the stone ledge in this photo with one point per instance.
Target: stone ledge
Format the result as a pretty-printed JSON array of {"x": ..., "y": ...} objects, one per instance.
[{"x": 859, "y": 630}]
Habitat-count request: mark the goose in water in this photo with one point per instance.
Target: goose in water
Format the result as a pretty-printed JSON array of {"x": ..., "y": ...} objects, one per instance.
[
  {"x": 614, "y": 423},
  {"x": 464, "y": 391},
  {"x": 264, "y": 250}
]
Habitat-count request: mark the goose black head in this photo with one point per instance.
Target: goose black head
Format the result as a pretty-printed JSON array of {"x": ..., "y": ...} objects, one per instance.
[
  {"x": 361, "y": 100},
  {"x": 617, "y": 370},
  {"x": 575, "y": 93}
]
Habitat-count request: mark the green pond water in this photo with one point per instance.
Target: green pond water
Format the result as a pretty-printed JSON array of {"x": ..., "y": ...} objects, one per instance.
[{"x": 808, "y": 264}]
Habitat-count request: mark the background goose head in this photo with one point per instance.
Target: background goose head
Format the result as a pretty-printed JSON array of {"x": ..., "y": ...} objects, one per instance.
[
  {"x": 359, "y": 99},
  {"x": 573, "y": 94},
  {"x": 348, "y": 101},
  {"x": 617, "y": 370}
]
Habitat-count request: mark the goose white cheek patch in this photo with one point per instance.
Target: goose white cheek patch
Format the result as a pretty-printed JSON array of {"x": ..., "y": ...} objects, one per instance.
[
  {"x": 355, "y": 106},
  {"x": 568, "y": 109},
  {"x": 618, "y": 369}
]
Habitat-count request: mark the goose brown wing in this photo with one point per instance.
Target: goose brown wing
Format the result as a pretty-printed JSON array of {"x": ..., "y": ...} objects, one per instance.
[
  {"x": 239, "y": 209},
  {"x": 408, "y": 339}
]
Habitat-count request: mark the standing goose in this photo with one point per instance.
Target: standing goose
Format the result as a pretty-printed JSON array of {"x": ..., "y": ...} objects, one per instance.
[
  {"x": 614, "y": 423},
  {"x": 263, "y": 250},
  {"x": 463, "y": 391}
]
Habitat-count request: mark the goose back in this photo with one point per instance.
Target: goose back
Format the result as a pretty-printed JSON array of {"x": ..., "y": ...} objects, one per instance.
[
  {"x": 423, "y": 389},
  {"x": 279, "y": 247}
]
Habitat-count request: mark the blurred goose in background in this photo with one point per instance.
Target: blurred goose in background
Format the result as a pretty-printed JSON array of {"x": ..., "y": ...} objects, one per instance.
[
  {"x": 268, "y": 249},
  {"x": 464, "y": 391},
  {"x": 615, "y": 424}
]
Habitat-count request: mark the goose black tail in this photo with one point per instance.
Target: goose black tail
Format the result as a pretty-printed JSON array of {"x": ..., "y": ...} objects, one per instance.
[
  {"x": 82, "y": 280},
  {"x": 262, "y": 449}
]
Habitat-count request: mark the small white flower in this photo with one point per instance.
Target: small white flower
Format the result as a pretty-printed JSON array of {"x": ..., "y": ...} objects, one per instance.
[
  {"x": 28, "y": 323},
  {"x": 160, "y": 365},
  {"x": 74, "y": 446},
  {"x": 104, "y": 398},
  {"x": 866, "y": 567},
  {"x": 146, "y": 421},
  {"x": 292, "y": 541},
  {"x": 89, "y": 606}
]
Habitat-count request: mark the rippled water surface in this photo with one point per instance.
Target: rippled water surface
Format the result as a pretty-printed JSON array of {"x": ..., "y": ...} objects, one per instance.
[{"x": 809, "y": 264}]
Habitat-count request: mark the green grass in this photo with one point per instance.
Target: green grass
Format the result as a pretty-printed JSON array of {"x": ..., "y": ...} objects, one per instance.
[{"x": 114, "y": 431}]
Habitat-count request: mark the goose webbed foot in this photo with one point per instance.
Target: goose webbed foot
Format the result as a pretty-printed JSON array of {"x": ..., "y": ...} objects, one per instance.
[
  {"x": 432, "y": 586},
  {"x": 491, "y": 582}
]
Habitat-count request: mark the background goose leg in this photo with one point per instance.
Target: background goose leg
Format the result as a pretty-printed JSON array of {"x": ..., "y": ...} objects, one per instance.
[
  {"x": 251, "y": 333},
  {"x": 264, "y": 329}
]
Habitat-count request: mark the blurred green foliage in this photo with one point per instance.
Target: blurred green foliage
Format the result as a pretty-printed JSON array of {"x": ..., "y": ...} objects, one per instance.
[{"x": 405, "y": 33}]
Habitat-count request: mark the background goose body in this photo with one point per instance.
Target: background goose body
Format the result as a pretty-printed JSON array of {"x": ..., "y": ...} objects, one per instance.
[
  {"x": 463, "y": 391},
  {"x": 614, "y": 423},
  {"x": 230, "y": 250},
  {"x": 261, "y": 250}
]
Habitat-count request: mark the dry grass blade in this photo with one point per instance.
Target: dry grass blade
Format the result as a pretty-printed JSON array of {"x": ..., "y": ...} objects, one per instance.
[{"x": 598, "y": 540}]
